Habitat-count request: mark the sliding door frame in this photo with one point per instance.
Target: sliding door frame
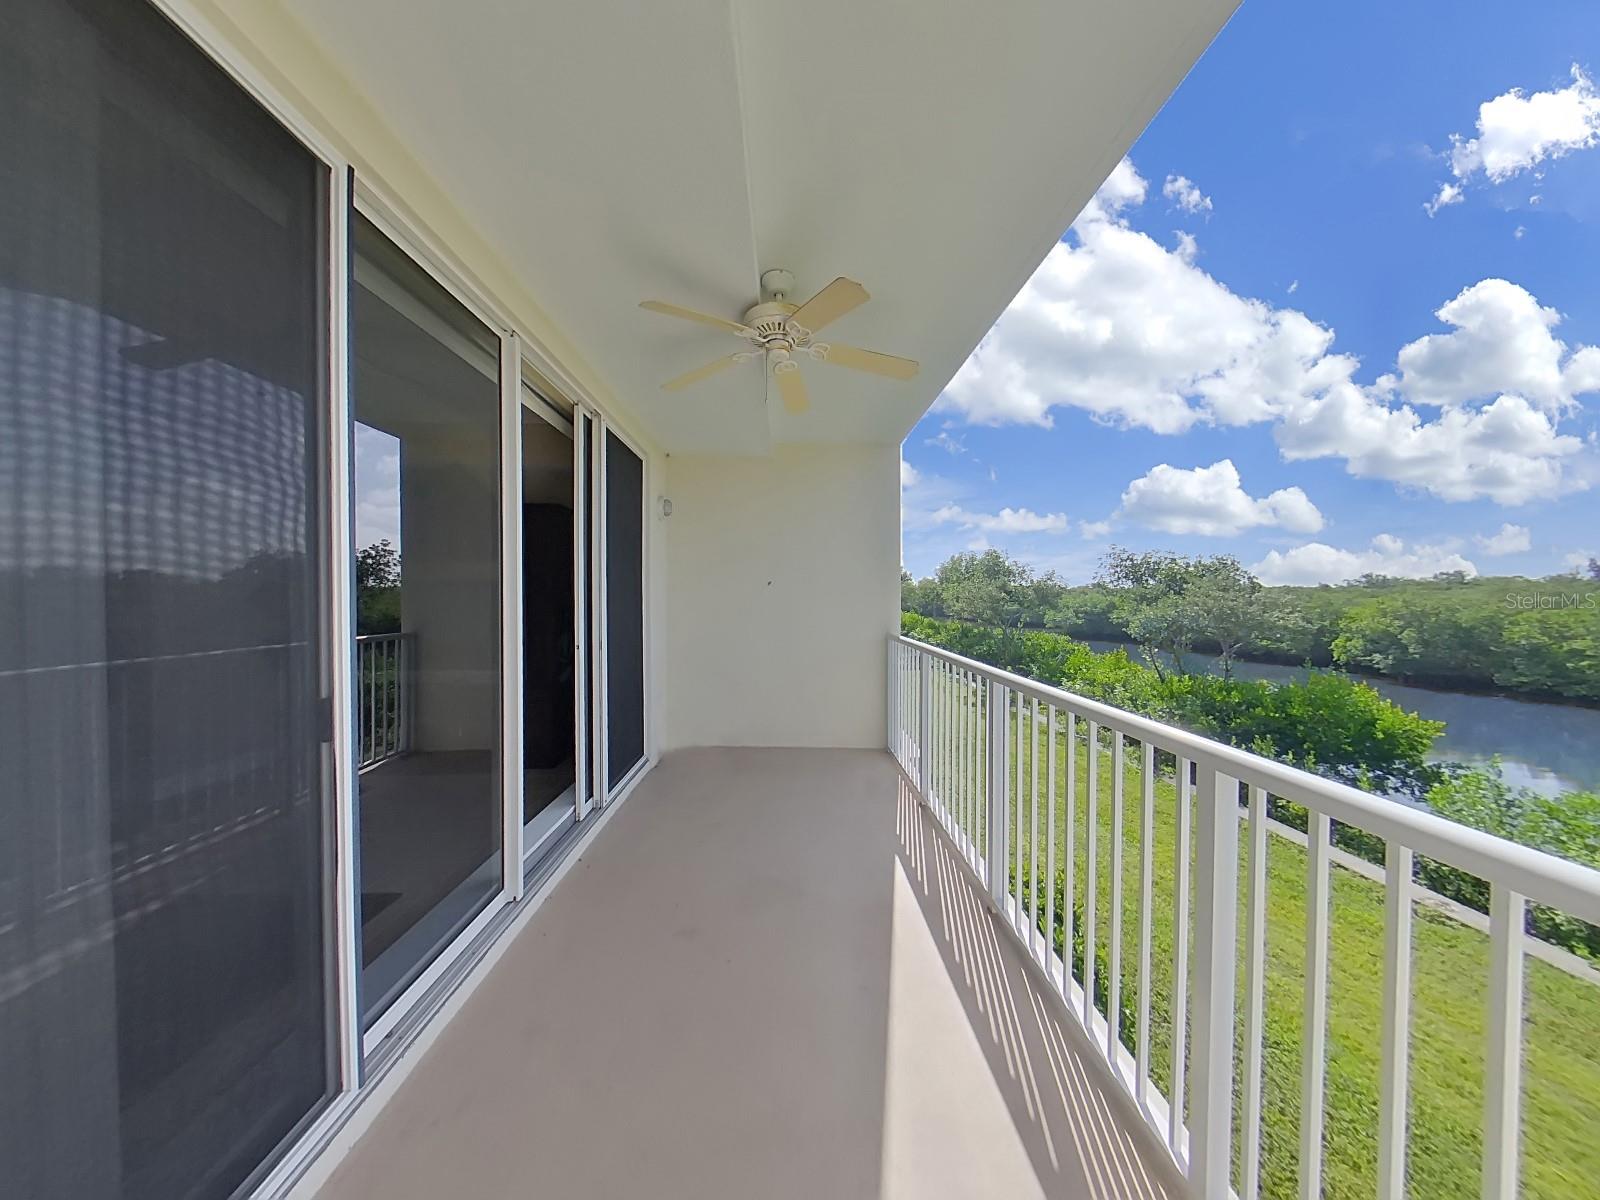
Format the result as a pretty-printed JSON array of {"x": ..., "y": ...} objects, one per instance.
[
  {"x": 584, "y": 623},
  {"x": 511, "y": 631},
  {"x": 373, "y": 203}
]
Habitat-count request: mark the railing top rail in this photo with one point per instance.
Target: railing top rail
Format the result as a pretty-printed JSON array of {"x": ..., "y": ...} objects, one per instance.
[
  {"x": 1532, "y": 873},
  {"x": 382, "y": 637}
]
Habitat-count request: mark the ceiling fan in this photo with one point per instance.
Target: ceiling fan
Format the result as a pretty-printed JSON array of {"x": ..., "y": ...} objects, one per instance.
[{"x": 780, "y": 332}]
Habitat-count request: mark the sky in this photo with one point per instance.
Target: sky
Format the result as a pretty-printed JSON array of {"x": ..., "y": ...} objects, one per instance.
[{"x": 1336, "y": 312}]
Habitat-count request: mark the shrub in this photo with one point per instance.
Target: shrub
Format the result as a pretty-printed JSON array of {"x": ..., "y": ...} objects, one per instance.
[{"x": 1567, "y": 826}]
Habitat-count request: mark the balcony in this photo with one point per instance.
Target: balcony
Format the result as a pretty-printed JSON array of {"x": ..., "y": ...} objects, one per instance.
[
  {"x": 772, "y": 975},
  {"x": 809, "y": 973}
]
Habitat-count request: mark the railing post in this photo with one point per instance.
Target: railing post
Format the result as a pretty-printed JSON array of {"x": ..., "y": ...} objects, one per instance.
[
  {"x": 1216, "y": 894},
  {"x": 996, "y": 757},
  {"x": 892, "y": 679},
  {"x": 925, "y": 725},
  {"x": 1502, "y": 1128}
]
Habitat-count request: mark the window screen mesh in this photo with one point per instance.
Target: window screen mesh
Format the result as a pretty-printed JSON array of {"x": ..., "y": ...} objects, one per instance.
[{"x": 163, "y": 1006}]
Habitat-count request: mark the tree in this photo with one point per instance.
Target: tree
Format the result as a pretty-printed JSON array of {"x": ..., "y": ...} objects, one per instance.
[
  {"x": 990, "y": 588},
  {"x": 1167, "y": 602},
  {"x": 377, "y": 566},
  {"x": 378, "y": 588},
  {"x": 1228, "y": 609}
]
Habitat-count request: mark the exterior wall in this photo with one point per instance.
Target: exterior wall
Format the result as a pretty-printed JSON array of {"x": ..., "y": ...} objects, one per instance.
[{"x": 783, "y": 581}]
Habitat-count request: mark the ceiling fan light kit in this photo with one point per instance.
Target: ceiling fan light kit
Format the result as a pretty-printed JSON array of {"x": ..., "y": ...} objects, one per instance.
[{"x": 779, "y": 331}]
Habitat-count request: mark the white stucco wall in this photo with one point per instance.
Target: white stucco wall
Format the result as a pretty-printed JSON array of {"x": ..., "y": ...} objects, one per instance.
[{"x": 782, "y": 582}]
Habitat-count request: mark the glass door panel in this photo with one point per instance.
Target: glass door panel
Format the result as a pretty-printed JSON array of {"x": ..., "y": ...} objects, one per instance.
[
  {"x": 164, "y": 994},
  {"x": 427, "y": 531},
  {"x": 549, "y": 660},
  {"x": 624, "y": 609}
]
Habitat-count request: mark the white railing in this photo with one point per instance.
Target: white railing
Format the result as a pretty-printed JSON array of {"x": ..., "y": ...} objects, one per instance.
[
  {"x": 385, "y": 668},
  {"x": 995, "y": 756}
]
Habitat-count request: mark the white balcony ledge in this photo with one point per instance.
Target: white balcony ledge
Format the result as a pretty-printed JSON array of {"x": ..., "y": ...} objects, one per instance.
[{"x": 769, "y": 975}]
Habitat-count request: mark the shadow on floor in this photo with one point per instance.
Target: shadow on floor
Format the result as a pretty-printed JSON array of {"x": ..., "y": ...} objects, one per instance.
[{"x": 1075, "y": 1135}]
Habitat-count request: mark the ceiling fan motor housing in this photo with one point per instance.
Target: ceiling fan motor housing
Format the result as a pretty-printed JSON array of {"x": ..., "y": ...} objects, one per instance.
[{"x": 770, "y": 321}]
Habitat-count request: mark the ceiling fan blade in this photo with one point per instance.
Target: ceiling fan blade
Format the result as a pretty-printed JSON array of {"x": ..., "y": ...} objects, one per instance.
[
  {"x": 689, "y": 314},
  {"x": 870, "y": 360},
  {"x": 792, "y": 388},
  {"x": 831, "y": 303},
  {"x": 699, "y": 373}
]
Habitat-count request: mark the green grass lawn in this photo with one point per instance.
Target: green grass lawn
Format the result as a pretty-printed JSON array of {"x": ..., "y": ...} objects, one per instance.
[{"x": 1561, "y": 1080}]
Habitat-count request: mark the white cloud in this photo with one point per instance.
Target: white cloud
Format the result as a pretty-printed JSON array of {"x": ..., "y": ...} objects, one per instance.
[
  {"x": 1517, "y": 131},
  {"x": 1123, "y": 188},
  {"x": 1135, "y": 334},
  {"x": 1188, "y": 247},
  {"x": 1210, "y": 500},
  {"x": 1007, "y": 520},
  {"x": 1502, "y": 342},
  {"x": 1508, "y": 451},
  {"x": 1094, "y": 530},
  {"x": 1294, "y": 286},
  {"x": 1183, "y": 193},
  {"x": 908, "y": 474},
  {"x": 1316, "y": 562},
  {"x": 1519, "y": 232},
  {"x": 1132, "y": 332},
  {"x": 376, "y": 487},
  {"x": 1512, "y": 539},
  {"x": 1448, "y": 194}
]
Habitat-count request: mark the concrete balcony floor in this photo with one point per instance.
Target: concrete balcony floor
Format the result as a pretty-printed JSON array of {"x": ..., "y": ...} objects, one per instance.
[{"x": 767, "y": 976}]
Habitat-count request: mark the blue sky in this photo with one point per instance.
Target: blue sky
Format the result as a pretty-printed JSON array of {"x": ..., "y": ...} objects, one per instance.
[{"x": 1333, "y": 314}]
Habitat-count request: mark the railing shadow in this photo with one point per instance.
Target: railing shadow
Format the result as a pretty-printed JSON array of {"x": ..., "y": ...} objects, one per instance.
[{"x": 1076, "y": 1135}]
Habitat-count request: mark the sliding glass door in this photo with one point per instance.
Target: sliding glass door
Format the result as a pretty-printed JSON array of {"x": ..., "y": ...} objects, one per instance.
[
  {"x": 623, "y": 469},
  {"x": 429, "y": 655},
  {"x": 165, "y": 991},
  {"x": 246, "y": 816},
  {"x": 550, "y": 658}
]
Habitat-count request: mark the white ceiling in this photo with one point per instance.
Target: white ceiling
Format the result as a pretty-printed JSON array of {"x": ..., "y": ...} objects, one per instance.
[{"x": 620, "y": 150}]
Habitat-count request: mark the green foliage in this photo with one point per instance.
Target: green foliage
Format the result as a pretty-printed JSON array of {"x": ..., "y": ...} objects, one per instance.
[
  {"x": 1327, "y": 723},
  {"x": 1450, "y": 975},
  {"x": 921, "y": 596},
  {"x": 1330, "y": 724},
  {"x": 1169, "y": 602},
  {"x": 1552, "y": 651},
  {"x": 378, "y": 588},
  {"x": 1533, "y": 637},
  {"x": 377, "y": 566},
  {"x": 985, "y": 589},
  {"x": 1567, "y": 825},
  {"x": 1127, "y": 998}
]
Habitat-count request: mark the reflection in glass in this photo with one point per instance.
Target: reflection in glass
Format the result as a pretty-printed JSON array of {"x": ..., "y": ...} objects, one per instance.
[
  {"x": 427, "y": 518},
  {"x": 164, "y": 1002}
]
